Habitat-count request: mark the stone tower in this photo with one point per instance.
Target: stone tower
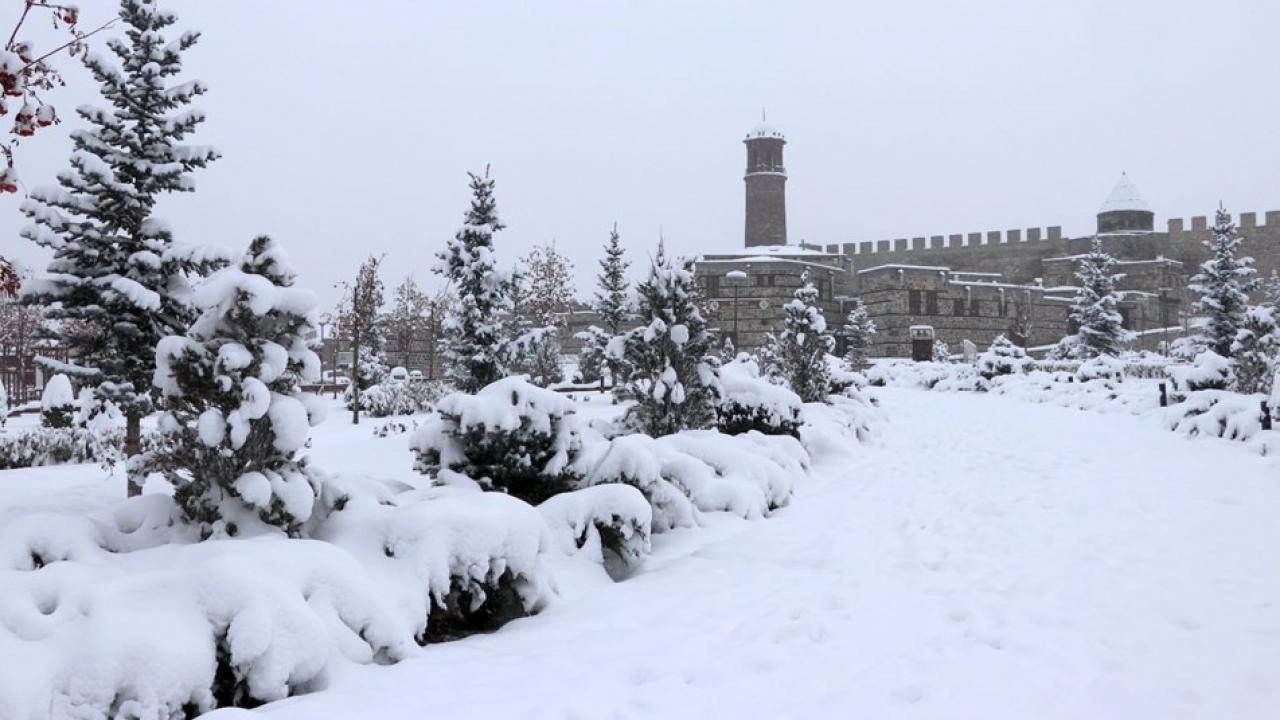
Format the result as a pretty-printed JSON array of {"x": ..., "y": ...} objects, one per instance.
[
  {"x": 766, "y": 181},
  {"x": 1125, "y": 211}
]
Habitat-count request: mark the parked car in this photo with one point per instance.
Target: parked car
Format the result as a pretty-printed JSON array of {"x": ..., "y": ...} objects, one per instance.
[
  {"x": 398, "y": 374},
  {"x": 416, "y": 375}
]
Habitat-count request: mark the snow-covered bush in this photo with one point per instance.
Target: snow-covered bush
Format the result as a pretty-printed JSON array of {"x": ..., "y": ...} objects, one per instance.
[
  {"x": 57, "y": 403},
  {"x": 56, "y": 446},
  {"x": 750, "y": 402},
  {"x": 924, "y": 375},
  {"x": 235, "y": 417},
  {"x": 1209, "y": 371},
  {"x": 613, "y": 521},
  {"x": 941, "y": 353},
  {"x": 844, "y": 380},
  {"x": 96, "y": 413},
  {"x": 536, "y": 354},
  {"x": 1002, "y": 358},
  {"x": 1101, "y": 367},
  {"x": 858, "y": 330},
  {"x": 511, "y": 436},
  {"x": 397, "y": 397}
]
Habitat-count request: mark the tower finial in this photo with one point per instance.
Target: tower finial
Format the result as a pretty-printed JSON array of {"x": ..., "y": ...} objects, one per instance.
[{"x": 763, "y": 117}]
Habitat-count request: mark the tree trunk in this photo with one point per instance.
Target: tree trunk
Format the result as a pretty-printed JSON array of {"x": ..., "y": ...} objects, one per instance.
[
  {"x": 133, "y": 446},
  {"x": 355, "y": 376}
]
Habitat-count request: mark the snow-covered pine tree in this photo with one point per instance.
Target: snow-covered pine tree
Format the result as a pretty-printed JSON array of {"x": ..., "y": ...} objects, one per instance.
[
  {"x": 1224, "y": 282},
  {"x": 235, "y": 417},
  {"x": 941, "y": 352},
  {"x": 673, "y": 377},
  {"x": 858, "y": 329},
  {"x": 116, "y": 267},
  {"x": 613, "y": 301},
  {"x": 1100, "y": 327},
  {"x": 473, "y": 338},
  {"x": 1001, "y": 358},
  {"x": 1256, "y": 350},
  {"x": 57, "y": 403},
  {"x": 800, "y": 349},
  {"x": 358, "y": 321}
]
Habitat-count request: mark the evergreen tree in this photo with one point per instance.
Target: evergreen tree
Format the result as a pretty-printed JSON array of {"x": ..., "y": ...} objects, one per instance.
[
  {"x": 1100, "y": 325},
  {"x": 1256, "y": 350},
  {"x": 542, "y": 301},
  {"x": 409, "y": 318},
  {"x": 798, "y": 354},
  {"x": 858, "y": 329},
  {"x": 613, "y": 306},
  {"x": 358, "y": 320},
  {"x": 673, "y": 377},
  {"x": 115, "y": 266},
  {"x": 473, "y": 342},
  {"x": 235, "y": 418},
  {"x": 941, "y": 353},
  {"x": 1224, "y": 283}
]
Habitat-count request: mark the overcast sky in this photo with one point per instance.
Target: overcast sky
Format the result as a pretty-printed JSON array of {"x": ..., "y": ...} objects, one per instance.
[{"x": 347, "y": 127}]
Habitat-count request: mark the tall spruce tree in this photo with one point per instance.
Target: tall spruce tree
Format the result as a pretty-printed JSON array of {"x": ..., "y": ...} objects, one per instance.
[
  {"x": 858, "y": 329},
  {"x": 235, "y": 418},
  {"x": 1224, "y": 283},
  {"x": 798, "y": 354},
  {"x": 1100, "y": 327},
  {"x": 474, "y": 345},
  {"x": 117, "y": 269},
  {"x": 673, "y": 373},
  {"x": 613, "y": 306}
]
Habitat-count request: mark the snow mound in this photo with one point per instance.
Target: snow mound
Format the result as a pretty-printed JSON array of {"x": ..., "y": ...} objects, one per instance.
[{"x": 616, "y": 518}]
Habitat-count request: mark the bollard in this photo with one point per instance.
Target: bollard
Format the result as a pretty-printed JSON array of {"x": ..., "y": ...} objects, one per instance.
[
  {"x": 1266, "y": 416},
  {"x": 1164, "y": 396}
]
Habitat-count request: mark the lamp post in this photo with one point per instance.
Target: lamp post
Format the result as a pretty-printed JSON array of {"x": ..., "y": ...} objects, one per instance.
[
  {"x": 325, "y": 321},
  {"x": 736, "y": 279}
]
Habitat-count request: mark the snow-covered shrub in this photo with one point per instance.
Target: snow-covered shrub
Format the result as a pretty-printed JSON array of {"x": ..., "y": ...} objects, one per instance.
[
  {"x": 394, "y": 427},
  {"x": 636, "y": 460},
  {"x": 1209, "y": 371},
  {"x": 941, "y": 353},
  {"x": 511, "y": 436},
  {"x": 397, "y": 397},
  {"x": 57, "y": 446},
  {"x": 947, "y": 377},
  {"x": 1256, "y": 350},
  {"x": 844, "y": 380},
  {"x": 1002, "y": 358},
  {"x": 613, "y": 521},
  {"x": 1215, "y": 413},
  {"x": 593, "y": 357},
  {"x": 1101, "y": 367},
  {"x": 750, "y": 402},
  {"x": 57, "y": 403},
  {"x": 235, "y": 417}
]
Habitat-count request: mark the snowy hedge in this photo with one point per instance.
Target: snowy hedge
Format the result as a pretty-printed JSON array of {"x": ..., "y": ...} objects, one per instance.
[
  {"x": 57, "y": 403},
  {"x": 510, "y": 436},
  {"x": 56, "y": 446},
  {"x": 397, "y": 397},
  {"x": 750, "y": 402}
]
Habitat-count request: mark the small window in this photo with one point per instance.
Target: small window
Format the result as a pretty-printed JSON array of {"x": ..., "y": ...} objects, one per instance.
[
  {"x": 974, "y": 308},
  {"x": 932, "y": 302},
  {"x": 957, "y": 307},
  {"x": 771, "y": 280},
  {"x": 913, "y": 302},
  {"x": 713, "y": 285}
]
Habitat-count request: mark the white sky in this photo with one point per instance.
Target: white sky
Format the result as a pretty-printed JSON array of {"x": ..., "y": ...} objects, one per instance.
[{"x": 347, "y": 127}]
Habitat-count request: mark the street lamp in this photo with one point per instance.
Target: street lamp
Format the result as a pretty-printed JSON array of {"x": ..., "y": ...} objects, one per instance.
[
  {"x": 736, "y": 279},
  {"x": 325, "y": 321}
]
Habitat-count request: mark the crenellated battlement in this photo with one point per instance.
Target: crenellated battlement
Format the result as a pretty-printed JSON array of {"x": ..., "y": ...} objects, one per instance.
[
  {"x": 1244, "y": 221},
  {"x": 1015, "y": 236}
]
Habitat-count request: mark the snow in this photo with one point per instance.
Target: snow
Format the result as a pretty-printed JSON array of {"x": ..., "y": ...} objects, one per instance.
[
  {"x": 1124, "y": 196},
  {"x": 57, "y": 393},
  {"x": 973, "y": 566}
]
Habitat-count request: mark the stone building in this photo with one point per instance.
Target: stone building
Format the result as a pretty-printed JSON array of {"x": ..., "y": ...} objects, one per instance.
[{"x": 966, "y": 286}]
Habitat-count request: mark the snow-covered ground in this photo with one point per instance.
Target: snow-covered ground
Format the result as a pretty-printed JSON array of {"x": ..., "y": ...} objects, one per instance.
[{"x": 992, "y": 559}]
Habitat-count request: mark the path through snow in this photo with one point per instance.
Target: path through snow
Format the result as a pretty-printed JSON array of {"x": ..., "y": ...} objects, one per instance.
[{"x": 993, "y": 559}]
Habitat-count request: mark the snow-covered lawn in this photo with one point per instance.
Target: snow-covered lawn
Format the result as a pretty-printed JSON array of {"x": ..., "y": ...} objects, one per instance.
[{"x": 994, "y": 558}]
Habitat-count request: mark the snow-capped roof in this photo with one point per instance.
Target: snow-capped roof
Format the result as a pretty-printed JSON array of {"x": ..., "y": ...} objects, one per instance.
[
  {"x": 765, "y": 130},
  {"x": 1124, "y": 196}
]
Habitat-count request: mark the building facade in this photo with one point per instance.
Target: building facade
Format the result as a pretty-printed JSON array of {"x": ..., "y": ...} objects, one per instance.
[{"x": 966, "y": 286}]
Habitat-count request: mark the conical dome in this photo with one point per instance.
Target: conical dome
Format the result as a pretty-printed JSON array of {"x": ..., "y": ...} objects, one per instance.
[{"x": 1125, "y": 196}]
